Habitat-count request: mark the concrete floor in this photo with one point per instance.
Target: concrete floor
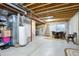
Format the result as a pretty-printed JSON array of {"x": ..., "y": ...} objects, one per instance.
[{"x": 41, "y": 46}]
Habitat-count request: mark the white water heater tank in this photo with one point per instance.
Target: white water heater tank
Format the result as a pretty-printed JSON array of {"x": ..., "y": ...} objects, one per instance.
[{"x": 22, "y": 37}]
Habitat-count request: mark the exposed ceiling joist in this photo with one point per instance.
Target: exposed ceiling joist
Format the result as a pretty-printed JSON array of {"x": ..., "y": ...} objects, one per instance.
[
  {"x": 59, "y": 19},
  {"x": 51, "y": 7},
  {"x": 59, "y": 11},
  {"x": 33, "y": 17},
  {"x": 74, "y": 10},
  {"x": 7, "y": 7},
  {"x": 41, "y": 6},
  {"x": 58, "y": 15},
  {"x": 68, "y": 10},
  {"x": 29, "y": 4},
  {"x": 54, "y": 10}
]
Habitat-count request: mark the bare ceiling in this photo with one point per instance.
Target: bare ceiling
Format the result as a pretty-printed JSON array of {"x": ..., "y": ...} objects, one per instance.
[{"x": 58, "y": 10}]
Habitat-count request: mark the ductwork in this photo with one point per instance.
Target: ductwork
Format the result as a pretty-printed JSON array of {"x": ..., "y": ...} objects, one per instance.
[{"x": 19, "y": 7}]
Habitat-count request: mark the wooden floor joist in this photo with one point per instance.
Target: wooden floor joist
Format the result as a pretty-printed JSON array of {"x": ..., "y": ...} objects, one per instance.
[
  {"x": 54, "y": 9},
  {"x": 29, "y": 4},
  {"x": 58, "y": 9},
  {"x": 40, "y": 6},
  {"x": 50, "y": 7}
]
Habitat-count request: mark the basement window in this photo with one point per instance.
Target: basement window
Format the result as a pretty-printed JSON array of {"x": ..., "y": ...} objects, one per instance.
[{"x": 57, "y": 27}]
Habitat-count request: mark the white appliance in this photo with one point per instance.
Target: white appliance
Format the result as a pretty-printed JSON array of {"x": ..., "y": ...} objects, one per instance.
[
  {"x": 27, "y": 32},
  {"x": 22, "y": 37},
  {"x": 24, "y": 31}
]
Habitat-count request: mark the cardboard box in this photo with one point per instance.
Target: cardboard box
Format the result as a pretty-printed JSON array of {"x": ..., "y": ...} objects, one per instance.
[{"x": 6, "y": 33}]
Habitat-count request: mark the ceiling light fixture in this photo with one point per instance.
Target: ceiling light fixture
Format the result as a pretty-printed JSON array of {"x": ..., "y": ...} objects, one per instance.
[
  {"x": 49, "y": 17},
  {"x": 48, "y": 20}
]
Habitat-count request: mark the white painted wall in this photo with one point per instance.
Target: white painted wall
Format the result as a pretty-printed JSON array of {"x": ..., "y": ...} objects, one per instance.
[
  {"x": 46, "y": 28},
  {"x": 56, "y": 23},
  {"x": 74, "y": 25}
]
